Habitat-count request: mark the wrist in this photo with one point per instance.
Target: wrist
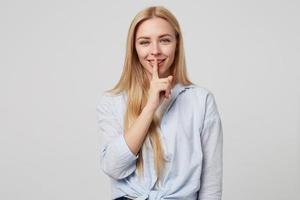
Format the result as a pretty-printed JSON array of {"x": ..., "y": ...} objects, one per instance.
[{"x": 149, "y": 109}]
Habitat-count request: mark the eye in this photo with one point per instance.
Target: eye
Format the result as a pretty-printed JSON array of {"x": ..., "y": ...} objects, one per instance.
[
  {"x": 144, "y": 42},
  {"x": 166, "y": 40}
]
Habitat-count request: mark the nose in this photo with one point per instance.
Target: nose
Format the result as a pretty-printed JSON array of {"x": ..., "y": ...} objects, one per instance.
[{"x": 155, "y": 50}]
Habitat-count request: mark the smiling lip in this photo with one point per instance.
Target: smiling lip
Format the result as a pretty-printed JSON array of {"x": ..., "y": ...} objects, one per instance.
[{"x": 158, "y": 60}]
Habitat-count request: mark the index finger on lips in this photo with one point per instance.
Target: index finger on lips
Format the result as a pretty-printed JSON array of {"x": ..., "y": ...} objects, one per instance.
[{"x": 154, "y": 70}]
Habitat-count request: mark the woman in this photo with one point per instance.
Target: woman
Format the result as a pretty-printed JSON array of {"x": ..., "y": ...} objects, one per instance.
[{"x": 161, "y": 134}]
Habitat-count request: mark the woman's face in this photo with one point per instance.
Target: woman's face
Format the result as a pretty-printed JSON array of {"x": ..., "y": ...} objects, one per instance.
[{"x": 155, "y": 39}]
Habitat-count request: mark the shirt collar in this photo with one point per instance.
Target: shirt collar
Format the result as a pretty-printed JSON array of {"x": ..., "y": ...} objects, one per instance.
[
  {"x": 178, "y": 88},
  {"x": 176, "y": 91}
]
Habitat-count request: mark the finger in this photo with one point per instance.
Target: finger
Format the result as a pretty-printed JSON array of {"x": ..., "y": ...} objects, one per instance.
[
  {"x": 166, "y": 80},
  {"x": 170, "y": 78},
  {"x": 165, "y": 89},
  {"x": 168, "y": 92},
  {"x": 169, "y": 81},
  {"x": 154, "y": 70}
]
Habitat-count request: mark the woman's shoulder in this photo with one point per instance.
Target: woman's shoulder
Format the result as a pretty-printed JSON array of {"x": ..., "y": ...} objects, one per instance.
[
  {"x": 198, "y": 90},
  {"x": 201, "y": 98},
  {"x": 201, "y": 95},
  {"x": 109, "y": 96},
  {"x": 110, "y": 100},
  {"x": 206, "y": 97}
]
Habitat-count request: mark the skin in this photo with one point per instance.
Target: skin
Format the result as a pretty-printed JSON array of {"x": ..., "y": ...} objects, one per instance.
[
  {"x": 155, "y": 41},
  {"x": 155, "y": 38},
  {"x": 155, "y": 47}
]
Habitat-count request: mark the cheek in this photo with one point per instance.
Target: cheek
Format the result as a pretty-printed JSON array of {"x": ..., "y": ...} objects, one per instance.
[
  {"x": 142, "y": 53},
  {"x": 170, "y": 52}
]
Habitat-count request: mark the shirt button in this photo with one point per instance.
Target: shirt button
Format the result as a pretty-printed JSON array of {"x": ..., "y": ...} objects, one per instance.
[{"x": 168, "y": 158}]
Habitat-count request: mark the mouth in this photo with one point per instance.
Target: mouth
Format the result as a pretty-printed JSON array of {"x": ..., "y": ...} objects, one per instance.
[{"x": 160, "y": 61}]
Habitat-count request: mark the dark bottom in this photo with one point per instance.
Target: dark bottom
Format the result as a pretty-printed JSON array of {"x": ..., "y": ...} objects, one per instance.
[{"x": 122, "y": 198}]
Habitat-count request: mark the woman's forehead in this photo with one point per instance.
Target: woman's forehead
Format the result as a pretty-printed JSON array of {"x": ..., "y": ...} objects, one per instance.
[{"x": 154, "y": 27}]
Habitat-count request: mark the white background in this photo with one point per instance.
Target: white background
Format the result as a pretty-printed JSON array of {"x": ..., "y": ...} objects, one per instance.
[{"x": 57, "y": 57}]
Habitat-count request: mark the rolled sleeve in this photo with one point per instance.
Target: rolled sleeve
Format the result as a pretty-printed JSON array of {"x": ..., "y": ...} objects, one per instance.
[
  {"x": 116, "y": 159},
  {"x": 212, "y": 144}
]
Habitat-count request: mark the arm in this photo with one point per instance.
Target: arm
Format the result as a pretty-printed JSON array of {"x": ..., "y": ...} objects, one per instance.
[
  {"x": 212, "y": 144},
  {"x": 119, "y": 150}
]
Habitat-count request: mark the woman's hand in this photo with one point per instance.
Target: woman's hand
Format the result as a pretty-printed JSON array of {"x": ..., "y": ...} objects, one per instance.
[{"x": 160, "y": 88}]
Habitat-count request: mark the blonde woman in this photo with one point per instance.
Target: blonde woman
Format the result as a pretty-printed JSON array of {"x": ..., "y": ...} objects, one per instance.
[{"x": 161, "y": 135}]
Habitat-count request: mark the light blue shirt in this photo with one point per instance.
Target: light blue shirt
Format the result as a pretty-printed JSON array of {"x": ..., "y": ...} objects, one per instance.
[{"x": 192, "y": 138}]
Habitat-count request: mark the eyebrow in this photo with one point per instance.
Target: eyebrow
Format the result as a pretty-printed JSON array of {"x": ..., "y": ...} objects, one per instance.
[{"x": 145, "y": 37}]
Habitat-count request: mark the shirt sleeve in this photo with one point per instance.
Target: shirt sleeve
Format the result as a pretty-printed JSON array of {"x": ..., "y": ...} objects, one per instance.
[
  {"x": 212, "y": 144},
  {"x": 116, "y": 159}
]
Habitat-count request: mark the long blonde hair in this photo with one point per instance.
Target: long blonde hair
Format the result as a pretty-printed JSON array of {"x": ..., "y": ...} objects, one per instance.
[{"x": 134, "y": 81}]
